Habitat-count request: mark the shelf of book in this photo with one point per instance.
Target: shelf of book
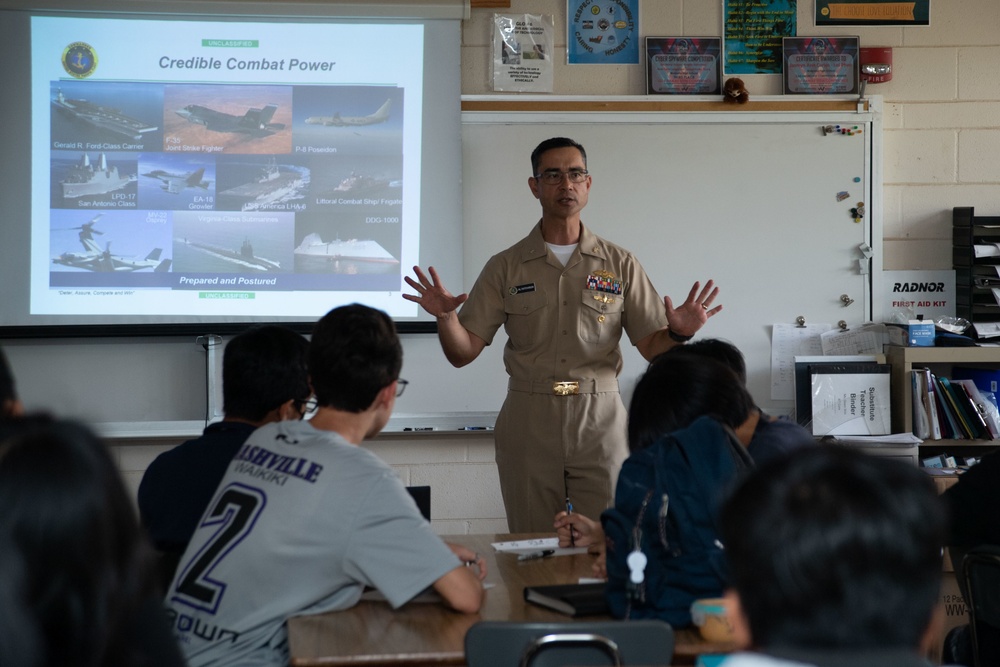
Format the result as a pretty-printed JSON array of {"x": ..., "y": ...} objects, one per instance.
[{"x": 941, "y": 361}]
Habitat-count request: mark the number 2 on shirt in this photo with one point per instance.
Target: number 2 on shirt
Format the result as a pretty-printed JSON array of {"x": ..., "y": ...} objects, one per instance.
[{"x": 235, "y": 511}]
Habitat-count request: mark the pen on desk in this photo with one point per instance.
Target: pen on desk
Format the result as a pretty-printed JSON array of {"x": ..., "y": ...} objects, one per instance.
[
  {"x": 569, "y": 512},
  {"x": 474, "y": 428},
  {"x": 536, "y": 554},
  {"x": 419, "y": 428}
]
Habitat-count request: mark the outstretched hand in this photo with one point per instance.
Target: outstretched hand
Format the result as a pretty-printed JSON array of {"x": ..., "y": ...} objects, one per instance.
[
  {"x": 431, "y": 294},
  {"x": 695, "y": 311}
]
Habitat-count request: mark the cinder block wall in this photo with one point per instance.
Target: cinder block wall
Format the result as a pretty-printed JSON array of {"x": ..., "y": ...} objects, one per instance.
[
  {"x": 942, "y": 119},
  {"x": 942, "y": 136}
]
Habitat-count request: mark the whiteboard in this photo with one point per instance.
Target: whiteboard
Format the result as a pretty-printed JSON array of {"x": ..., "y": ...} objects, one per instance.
[
  {"x": 744, "y": 197},
  {"x": 749, "y": 199}
]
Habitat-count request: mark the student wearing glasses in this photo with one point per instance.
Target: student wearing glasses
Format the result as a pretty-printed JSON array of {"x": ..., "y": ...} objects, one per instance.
[
  {"x": 305, "y": 517},
  {"x": 564, "y": 296}
]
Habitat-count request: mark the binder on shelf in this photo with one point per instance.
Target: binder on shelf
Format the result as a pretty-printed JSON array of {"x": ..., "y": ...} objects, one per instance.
[
  {"x": 803, "y": 381},
  {"x": 958, "y": 404},
  {"x": 918, "y": 395},
  {"x": 987, "y": 379},
  {"x": 850, "y": 399},
  {"x": 929, "y": 400},
  {"x": 989, "y": 426},
  {"x": 949, "y": 422}
]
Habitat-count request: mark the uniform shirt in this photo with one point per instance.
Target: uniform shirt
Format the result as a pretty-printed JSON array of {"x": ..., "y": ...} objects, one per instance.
[
  {"x": 563, "y": 323},
  {"x": 301, "y": 523}
]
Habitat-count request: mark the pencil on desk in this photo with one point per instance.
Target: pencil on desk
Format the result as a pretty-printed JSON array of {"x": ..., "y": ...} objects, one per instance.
[{"x": 569, "y": 512}]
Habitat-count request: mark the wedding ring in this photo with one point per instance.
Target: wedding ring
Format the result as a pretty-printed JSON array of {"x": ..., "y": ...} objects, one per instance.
[{"x": 704, "y": 306}]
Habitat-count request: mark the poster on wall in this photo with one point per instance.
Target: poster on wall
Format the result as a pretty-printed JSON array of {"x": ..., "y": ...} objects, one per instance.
[
  {"x": 683, "y": 65},
  {"x": 602, "y": 32},
  {"x": 820, "y": 65},
  {"x": 753, "y": 32},
  {"x": 522, "y": 53},
  {"x": 873, "y": 12}
]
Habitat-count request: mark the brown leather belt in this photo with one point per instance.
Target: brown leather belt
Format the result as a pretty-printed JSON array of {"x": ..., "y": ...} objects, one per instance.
[{"x": 563, "y": 387}]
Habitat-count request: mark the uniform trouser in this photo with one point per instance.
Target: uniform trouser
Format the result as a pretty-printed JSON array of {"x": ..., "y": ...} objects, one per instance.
[{"x": 552, "y": 447}]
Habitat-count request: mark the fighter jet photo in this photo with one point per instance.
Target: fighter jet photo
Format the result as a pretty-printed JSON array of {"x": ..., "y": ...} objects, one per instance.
[
  {"x": 174, "y": 183},
  {"x": 95, "y": 259},
  {"x": 336, "y": 120},
  {"x": 255, "y": 122}
]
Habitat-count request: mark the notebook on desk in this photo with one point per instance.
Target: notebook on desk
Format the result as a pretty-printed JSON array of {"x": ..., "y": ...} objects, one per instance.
[{"x": 570, "y": 599}]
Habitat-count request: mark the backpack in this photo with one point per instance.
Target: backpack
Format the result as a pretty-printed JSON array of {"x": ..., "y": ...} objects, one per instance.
[{"x": 663, "y": 522}]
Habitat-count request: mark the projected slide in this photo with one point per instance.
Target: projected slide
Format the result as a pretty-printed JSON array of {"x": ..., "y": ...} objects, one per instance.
[{"x": 204, "y": 168}]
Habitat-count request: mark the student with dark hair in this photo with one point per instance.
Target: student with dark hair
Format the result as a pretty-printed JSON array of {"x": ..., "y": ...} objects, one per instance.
[
  {"x": 772, "y": 437},
  {"x": 835, "y": 560},
  {"x": 10, "y": 404},
  {"x": 674, "y": 391},
  {"x": 264, "y": 379},
  {"x": 722, "y": 351},
  {"x": 20, "y": 642},
  {"x": 305, "y": 518},
  {"x": 88, "y": 585}
]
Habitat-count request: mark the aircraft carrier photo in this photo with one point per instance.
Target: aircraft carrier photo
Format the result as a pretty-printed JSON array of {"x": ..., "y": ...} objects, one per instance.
[{"x": 103, "y": 117}]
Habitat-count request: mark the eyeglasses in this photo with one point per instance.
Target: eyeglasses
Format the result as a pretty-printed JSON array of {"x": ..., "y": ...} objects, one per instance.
[
  {"x": 401, "y": 386},
  {"x": 555, "y": 177},
  {"x": 306, "y": 407}
]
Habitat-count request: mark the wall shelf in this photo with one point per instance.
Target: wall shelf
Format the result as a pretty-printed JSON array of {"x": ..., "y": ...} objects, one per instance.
[
  {"x": 659, "y": 103},
  {"x": 940, "y": 360}
]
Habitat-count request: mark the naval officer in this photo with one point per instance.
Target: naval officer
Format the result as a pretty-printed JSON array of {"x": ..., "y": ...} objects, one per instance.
[{"x": 563, "y": 296}]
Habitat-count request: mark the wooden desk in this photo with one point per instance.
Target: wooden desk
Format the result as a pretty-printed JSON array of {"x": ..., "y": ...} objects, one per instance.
[{"x": 371, "y": 633}]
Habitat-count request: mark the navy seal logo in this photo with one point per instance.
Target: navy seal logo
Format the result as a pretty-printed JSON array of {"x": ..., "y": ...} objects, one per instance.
[{"x": 79, "y": 60}]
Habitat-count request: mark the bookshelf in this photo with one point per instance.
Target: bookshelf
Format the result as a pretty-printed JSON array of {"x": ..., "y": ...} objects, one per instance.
[{"x": 940, "y": 360}]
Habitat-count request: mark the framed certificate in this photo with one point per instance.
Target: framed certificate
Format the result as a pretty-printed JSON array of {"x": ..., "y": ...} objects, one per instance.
[
  {"x": 820, "y": 65},
  {"x": 683, "y": 66}
]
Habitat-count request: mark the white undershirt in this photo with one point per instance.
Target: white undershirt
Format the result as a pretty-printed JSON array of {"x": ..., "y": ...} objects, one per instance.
[{"x": 562, "y": 252}]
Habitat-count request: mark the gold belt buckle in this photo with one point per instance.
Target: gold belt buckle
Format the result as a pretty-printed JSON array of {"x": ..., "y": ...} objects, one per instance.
[{"x": 565, "y": 388}]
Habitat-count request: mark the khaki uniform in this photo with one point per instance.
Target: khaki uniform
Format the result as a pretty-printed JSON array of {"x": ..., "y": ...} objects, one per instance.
[{"x": 563, "y": 325}]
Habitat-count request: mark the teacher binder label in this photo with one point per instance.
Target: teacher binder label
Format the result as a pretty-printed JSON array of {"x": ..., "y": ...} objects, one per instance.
[{"x": 850, "y": 403}]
